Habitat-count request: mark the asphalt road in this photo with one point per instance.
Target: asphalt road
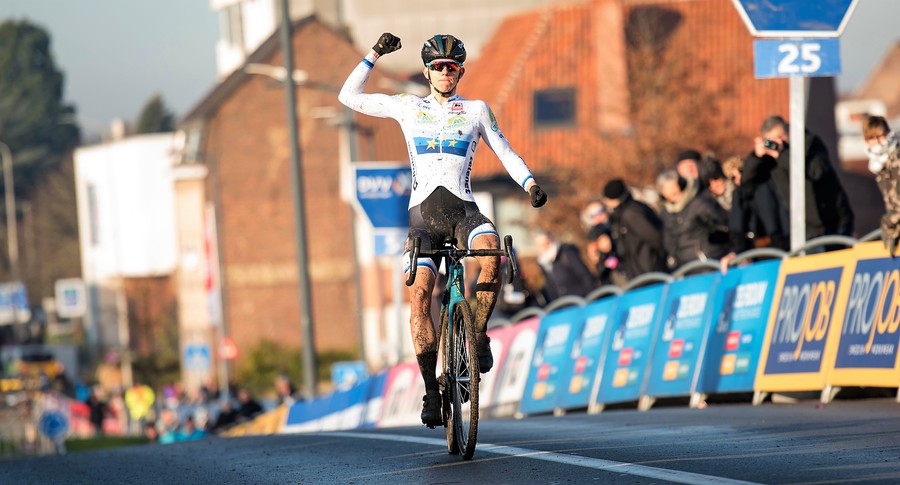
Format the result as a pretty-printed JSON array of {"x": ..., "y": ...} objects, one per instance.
[{"x": 847, "y": 441}]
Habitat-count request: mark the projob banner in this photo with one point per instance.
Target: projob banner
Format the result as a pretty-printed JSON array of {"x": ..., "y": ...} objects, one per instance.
[
  {"x": 740, "y": 314},
  {"x": 810, "y": 301},
  {"x": 678, "y": 351},
  {"x": 582, "y": 373},
  {"x": 556, "y": 335},
  {"x": 634, "y": 327},
  {"x": 867, "y": 345}
]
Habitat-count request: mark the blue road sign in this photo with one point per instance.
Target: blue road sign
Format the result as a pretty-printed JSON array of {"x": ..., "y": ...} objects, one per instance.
[
  {"x": 197, "y": 357},
  {"x": 796, "y": 18},
  {"x": 54, "y": 424},
  {"x": 390, "y": 242},
  {"x": 806, "y": 57},
  {"x": 383, "y": 194}
]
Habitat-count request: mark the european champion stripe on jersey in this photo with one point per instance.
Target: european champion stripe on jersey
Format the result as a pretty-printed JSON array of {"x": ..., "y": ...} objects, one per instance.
[{"x": 432, "y": 145}]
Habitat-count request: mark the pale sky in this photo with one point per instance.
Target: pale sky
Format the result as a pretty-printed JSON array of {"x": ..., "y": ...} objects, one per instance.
[{"x": 115, "y": 54}]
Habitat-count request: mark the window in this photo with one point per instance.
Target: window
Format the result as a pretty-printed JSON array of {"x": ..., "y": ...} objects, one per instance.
[
  {"x": 231, "y": 25},
  {"x": 554, "y": 107}
]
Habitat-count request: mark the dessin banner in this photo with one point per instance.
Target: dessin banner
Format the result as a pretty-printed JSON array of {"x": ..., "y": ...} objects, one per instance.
[
  {"x": 740, "y": 313},
  {"x": 675, "y": 363},
  {"x": 556, "y": 334},
  {"x": 580, "y": 377},
  {"x": 627, "y": 359}
]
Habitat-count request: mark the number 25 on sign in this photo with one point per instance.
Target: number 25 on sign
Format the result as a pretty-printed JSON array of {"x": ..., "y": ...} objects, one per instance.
[{"x": 773, "y": 58}]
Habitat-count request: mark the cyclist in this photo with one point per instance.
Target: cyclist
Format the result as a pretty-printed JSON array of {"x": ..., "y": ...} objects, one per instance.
[{"x": 442, "y": 131}]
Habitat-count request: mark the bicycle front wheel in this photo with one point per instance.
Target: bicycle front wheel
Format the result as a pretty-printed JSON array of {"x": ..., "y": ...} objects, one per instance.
[{"x": 463, "y": 375}]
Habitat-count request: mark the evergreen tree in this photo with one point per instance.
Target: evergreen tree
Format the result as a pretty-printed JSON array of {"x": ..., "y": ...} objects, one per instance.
[
  {"x": 34, "y": 122},
  {"x": 155, "y": 117}
]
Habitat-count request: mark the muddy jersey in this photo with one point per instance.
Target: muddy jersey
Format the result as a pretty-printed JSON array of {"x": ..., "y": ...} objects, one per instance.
[{"x": 441, "y": 138}]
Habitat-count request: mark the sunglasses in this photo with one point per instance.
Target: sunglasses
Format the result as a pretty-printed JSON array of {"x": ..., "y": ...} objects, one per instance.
[{"x": 439, "y": 66}]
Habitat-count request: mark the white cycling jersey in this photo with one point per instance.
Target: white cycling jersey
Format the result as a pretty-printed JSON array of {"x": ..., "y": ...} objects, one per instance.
[{"x": 441, "y": 139}]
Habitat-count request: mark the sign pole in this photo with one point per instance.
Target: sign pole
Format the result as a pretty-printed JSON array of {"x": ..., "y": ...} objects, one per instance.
[{"x": 798, "y": 161}]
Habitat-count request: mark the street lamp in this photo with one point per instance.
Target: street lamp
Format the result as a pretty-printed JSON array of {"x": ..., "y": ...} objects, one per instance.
[{"x": 309, "y": 358}]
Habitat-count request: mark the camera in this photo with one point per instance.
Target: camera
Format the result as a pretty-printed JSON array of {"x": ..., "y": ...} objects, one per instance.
[{"x": 771, "y": 145}]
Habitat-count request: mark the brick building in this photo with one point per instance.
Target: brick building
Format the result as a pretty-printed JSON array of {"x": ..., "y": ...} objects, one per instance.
[{"x": 239, "y": 131}]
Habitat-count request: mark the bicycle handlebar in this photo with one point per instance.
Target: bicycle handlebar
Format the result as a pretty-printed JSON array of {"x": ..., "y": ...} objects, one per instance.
[{"x": 457, "y": 254}]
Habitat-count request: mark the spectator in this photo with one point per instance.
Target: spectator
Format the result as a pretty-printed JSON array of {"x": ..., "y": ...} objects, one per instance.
[
  {"x": 883, "y": 147},
  {"x": 227, "y": 416},
  {"x": 150, "y": 432},
  {"x": 694, "y": 226},
  {"x": 285, "y": 389},
  {"x": 189, "y": 431},
  {"x": 688, "y": 164},
  {"x": 720, "y": 186},
  {"x": 748, "y": 225},
  {"x": 249, "y": 407},
  {"x": 98, "y": 408},
  {"x": 168, "y": 430},
  {"x": 828, "y": 209},
  {"x": 564, "y": 271},
  {"x": 605, "y": 261},
  {"x": 594, "y": 213},
  {"x": 636, "y": 232}
]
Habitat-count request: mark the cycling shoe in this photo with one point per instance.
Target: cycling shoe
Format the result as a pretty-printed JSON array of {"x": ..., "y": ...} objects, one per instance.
[
  {"x": 431, "y": 408},
  {"x": 485, "y": 358}
]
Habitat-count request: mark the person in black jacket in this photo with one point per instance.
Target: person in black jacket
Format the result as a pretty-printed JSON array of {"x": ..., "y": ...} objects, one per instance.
[
  {"x": 636, "y": 231},
  {"x": 694, "y": 226},
  {"x": 565, "y": 272},
  {"x": 828, "y": 208}
]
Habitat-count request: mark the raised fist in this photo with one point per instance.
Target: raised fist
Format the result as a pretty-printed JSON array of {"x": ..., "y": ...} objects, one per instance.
[
  {"x": 538, "y": 196},
  {"x": 386, "y": 44}
]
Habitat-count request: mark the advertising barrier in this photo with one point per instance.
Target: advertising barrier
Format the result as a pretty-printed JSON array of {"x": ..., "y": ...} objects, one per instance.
[
  {"x": 340, "y": 410},
  {"x": 866, "y": 353},
  {"x": 675, "y": 362},
  {"x": 402, "y": 398},
  {"x": 810, "y": 299},
  {"x": 512, "y": 371},
  {"x": 556, "y": 335},
  {"x": 811, "y": 323},
  {"x": 635, "y": 323},
  {"x": 581, "y": 373},
  {"x": 740, "y": 313}
]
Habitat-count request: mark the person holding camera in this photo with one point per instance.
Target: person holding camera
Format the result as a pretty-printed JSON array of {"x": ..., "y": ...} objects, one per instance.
[{"x": 828, "y": 208}]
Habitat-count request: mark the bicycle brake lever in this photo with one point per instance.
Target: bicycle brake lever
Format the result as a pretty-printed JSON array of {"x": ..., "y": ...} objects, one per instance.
[{"x": 510, "y": 260}]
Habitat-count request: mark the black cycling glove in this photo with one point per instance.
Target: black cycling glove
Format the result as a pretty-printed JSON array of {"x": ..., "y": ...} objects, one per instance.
[
  {"x": 386, "y": 44},
  {"x": 538, "y": 196}
]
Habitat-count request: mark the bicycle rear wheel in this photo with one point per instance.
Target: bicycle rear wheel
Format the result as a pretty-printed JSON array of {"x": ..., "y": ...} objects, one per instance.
[{"x": 463, "y": 377}]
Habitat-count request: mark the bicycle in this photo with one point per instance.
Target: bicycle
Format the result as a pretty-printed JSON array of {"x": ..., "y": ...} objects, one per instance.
[{"x": 460, "y": 374}]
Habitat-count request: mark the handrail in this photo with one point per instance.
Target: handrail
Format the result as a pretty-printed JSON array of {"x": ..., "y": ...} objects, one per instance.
[
  {"x": 697, "y": 264},
  {"x": 872, "y": 236},
  {"x": 524, "y": 313},
  {"x": 822, "y": 241},
  {"x": 773, "y": 253},
  {"x": 648, "y": 279},
  {"x": 605, "y": 290},
  {"x": 564, "y": 301}
]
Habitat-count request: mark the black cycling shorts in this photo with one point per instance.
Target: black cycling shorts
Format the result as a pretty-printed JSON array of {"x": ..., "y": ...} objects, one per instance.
[{"x": 441, "y": 217}]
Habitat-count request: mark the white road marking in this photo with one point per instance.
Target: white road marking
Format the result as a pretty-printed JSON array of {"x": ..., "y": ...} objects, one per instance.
[{"x": 674, "y": 476}]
